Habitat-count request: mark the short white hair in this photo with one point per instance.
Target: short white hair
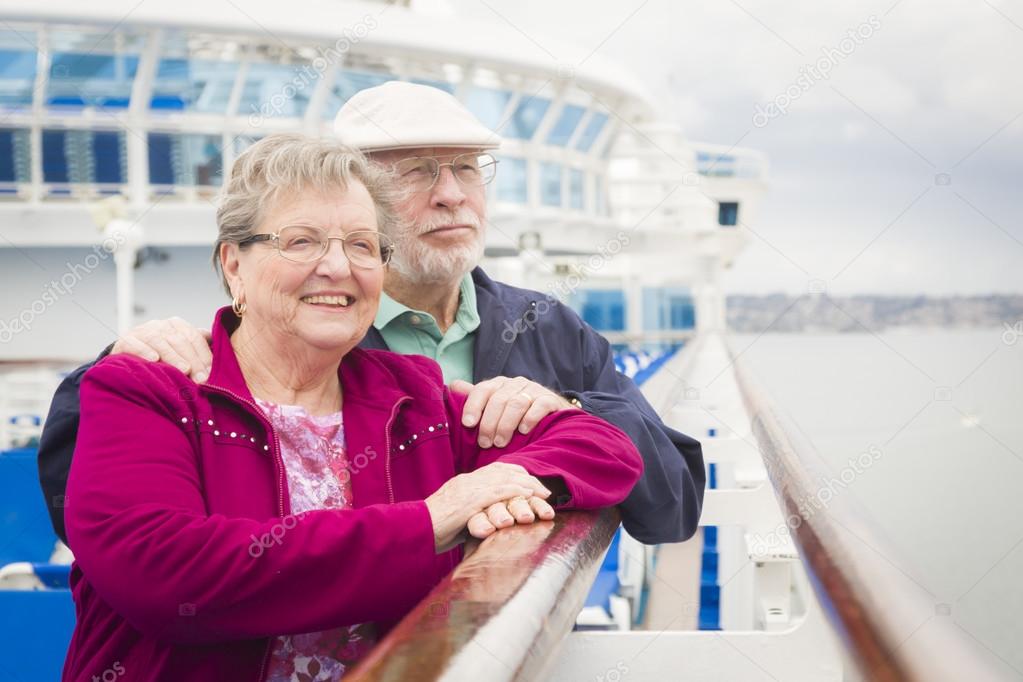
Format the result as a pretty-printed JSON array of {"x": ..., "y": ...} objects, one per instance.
[{"x": 284, "y": 164}]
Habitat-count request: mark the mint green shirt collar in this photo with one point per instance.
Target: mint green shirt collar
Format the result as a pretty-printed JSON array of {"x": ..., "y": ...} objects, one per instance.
[
  {"x": 467, "y": 316},
  {"x": 410, "y": 331}
]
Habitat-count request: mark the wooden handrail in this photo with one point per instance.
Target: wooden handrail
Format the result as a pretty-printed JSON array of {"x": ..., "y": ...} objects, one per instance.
[
  {"x": 501, "y": 614},
  {"x": 852, "y": 581}
]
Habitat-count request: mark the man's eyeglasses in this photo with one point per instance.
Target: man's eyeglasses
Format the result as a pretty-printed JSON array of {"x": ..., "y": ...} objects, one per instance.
[
  {"x": 420, "y": 173},
  {"x": 305, "y": 244}
]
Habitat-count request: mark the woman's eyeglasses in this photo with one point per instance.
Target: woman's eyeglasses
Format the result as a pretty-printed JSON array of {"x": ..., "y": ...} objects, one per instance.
[{"x": 305, "y": 244}]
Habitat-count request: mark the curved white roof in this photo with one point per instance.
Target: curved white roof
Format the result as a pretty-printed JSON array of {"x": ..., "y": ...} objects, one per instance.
[{"x": 398, "y": 31}]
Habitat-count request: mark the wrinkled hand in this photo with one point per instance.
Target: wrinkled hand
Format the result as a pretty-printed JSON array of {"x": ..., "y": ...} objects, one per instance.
[
  {"x": 463, "y": 497},
  {"x": 173, "y": 341},
  {"x": 507, "y": 513},
  {"x": 503, "y": 404}
]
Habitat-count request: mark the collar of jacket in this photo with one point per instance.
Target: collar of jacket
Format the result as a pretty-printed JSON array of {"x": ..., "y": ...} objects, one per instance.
[
  {"x": 500, "y": 307},
  {"x": 359, "y": 370}
]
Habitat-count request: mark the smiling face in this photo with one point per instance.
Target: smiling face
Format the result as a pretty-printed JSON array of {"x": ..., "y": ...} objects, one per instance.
[
  {"x": 442, "y": 237},
  {"x": 326, "y": 305}
]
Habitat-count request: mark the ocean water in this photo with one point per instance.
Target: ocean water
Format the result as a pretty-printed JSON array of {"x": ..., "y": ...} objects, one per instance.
[{"x": 944, "y": 410}]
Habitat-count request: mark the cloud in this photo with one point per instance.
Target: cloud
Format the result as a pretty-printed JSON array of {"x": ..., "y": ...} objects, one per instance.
[{"x": 934, "y": 89}]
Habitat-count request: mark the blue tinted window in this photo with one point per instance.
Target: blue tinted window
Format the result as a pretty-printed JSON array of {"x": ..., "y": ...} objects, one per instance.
[
  {"x": 54, "y": 157},
  {"x": 511, "y": 180},
  {"x": 668, "y": 308},
  {"x": 488, "y": 105},
  {"x": 108, "y": 157},
  {"x": 563, "y": 128},
  {"x": 161, "y": 165},
  {"x": 603, "y": 310},
  {"x": 68, "y": 157},
  {"x": 18, "y": 40},
  {"x": 7, "y": 167},
  {"x": 728, "y": 213},
  {"x": 14, "y": 155},
  {"x": 550, "y": 184},
  {"x": 593, "y": 129},
  {"x": 526, "y": 118},
  {"x": 83, "y": 157},
  {"x": 681, "y": 312},
  {"x": 193, "y": 85},
  {"x": 185, "y": 160},
  {"x": 347, "y": 84},
  {"x": 575, "y": 188},
  {"x": 715, "y": 165},
  {"x": 91, "y": 80},
  {"x": 277, "y": 90},
  {"x": 17, "y": 77}
]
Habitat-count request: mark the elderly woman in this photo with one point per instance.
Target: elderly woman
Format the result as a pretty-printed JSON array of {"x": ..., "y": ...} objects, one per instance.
[{"x": 274, "y": 522}]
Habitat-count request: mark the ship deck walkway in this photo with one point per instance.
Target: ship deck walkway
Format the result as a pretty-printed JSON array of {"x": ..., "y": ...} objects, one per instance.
[{"x": 796, "y": 598}]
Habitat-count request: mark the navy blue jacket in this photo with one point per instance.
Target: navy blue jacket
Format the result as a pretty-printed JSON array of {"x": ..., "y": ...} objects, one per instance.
[{"x": 521, "y": 333}]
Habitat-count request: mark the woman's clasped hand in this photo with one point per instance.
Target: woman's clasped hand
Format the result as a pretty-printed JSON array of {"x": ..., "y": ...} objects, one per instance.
[{"x": 494, "y": 496}]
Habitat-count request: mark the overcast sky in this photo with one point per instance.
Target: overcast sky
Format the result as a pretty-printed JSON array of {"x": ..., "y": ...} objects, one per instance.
[{"x": 935, "y": 88}]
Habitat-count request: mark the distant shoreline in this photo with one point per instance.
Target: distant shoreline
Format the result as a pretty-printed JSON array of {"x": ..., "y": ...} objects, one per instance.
[{"x": 862, "y": 313}]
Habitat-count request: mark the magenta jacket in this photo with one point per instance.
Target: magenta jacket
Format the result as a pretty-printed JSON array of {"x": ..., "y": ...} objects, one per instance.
[{"x": 188, "y": 560}]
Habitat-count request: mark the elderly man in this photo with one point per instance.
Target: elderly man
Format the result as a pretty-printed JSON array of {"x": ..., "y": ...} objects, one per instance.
[{"x": 438, "y": 303}]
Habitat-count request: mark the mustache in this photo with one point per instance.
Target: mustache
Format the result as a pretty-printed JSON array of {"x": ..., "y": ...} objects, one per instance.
[{"x": 460, "y": 217}]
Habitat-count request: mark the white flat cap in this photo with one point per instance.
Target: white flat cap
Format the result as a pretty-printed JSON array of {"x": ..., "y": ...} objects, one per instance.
[{"x": 400, "y": 115}]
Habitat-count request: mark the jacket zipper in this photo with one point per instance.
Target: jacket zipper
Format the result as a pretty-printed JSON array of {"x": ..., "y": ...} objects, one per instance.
[
  {"x": 279, "y": 464},
  {"x": 387, "y": 445},
  {"x": 278, "y": 461}
]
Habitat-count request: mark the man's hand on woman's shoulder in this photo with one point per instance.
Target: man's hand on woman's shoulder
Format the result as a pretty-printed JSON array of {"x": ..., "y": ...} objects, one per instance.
[
  {"x": 173, "y": 341},
  {"x": 503, "y": 405}
]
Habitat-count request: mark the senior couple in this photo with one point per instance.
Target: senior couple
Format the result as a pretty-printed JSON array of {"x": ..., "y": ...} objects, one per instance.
[{"x": 267, "y": 504}]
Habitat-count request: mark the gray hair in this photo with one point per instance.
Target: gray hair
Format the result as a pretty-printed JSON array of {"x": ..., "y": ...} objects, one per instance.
[{"x": 283, "y": 164}]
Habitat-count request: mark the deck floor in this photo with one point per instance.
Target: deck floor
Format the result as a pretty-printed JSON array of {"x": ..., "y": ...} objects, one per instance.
[{"x": 674, "y": 599}]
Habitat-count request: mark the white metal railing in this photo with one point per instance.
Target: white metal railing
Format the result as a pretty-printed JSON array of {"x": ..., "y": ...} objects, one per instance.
[
  {"x": 12, "y": 191},
  {"x": 85, "y": 191},
  {"x": 778, "y": 561},
  {"x": 772, "y": 625}
]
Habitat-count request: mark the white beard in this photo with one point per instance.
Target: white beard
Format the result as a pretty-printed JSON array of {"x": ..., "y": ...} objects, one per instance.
[{"x": 417, "y": 263}]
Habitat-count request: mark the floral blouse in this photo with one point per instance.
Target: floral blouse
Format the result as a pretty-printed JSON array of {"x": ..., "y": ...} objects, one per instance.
[{"x": 313, "y": 449}]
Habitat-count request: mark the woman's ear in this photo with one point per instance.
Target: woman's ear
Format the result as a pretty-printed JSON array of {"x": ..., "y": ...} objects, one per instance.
[{"x": 230, "y": 264}]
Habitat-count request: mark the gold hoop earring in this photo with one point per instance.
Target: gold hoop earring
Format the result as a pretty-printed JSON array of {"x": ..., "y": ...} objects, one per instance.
[{"x": 238, "y": 307}]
